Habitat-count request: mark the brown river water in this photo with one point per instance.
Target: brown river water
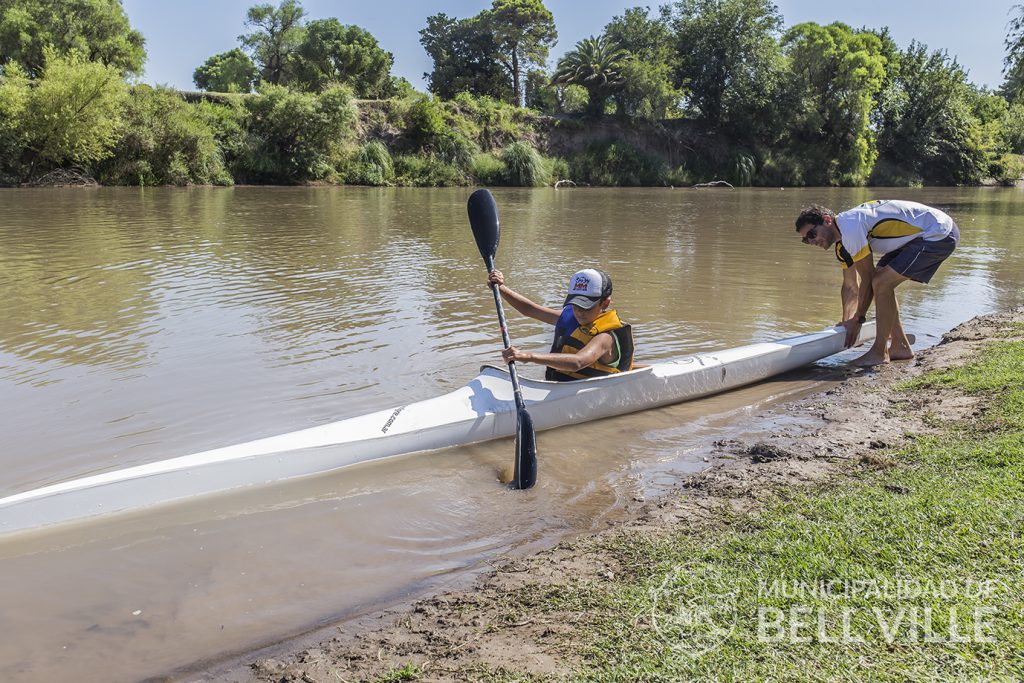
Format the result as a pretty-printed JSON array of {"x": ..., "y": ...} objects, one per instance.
[{"x": 140, "y": 325}]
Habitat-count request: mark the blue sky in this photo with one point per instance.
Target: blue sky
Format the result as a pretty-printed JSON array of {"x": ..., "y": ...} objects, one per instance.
[{"x": 181, "y": 34}]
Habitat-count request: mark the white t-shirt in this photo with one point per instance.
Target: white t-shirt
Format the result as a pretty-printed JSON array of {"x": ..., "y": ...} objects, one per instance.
[{"x": 885, "y": 225}]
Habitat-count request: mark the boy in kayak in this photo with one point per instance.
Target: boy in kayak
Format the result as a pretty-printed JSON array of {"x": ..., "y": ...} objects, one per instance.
[
  {"x": 912, "y": 240},
  {"x": 590, "y": 340}
]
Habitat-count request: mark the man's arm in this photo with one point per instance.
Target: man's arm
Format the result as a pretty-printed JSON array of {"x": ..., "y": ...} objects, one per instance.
[
  {"x": 521, "y": 303},
  {"x": 856, "y": 296},
  {"x": 597, "y": 348}
]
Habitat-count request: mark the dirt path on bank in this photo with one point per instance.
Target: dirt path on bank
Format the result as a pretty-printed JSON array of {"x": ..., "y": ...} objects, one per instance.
[{"x": 474, "y": 633}]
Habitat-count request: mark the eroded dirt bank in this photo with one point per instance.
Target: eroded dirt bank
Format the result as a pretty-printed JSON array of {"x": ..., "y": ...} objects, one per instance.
[{"x": 480, "y": 634}]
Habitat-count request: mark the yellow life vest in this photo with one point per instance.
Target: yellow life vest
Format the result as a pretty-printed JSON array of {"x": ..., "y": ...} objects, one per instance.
[{"x": 567, "y": 341}]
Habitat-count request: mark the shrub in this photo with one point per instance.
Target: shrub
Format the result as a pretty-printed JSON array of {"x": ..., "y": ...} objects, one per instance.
[
  {"x": 780, "y": 169},
  {"x": 888, "y": 174},
  {"x": 228, "y": 121},
  {"x": 556, "y": 168},
  {"x": 165, "y": 142},
  {"x": 490, "y": 123},
  {"x": 426, "y": 121},
  {"x": 487, "y": 169},
  {"x": 742, "y": 171},
  {"x": 1009, "y": 169},
  {"x": 375, "y": 153},
  {"x": 523, "y": 166},
  {"x": 454, "y": 149},
  {"x": 680, "y": 176},
  {"x": 427, "y": 171},
  {"x": 616, "y": 163},
  {"x": 295, "y": 137},
  {"x": 372, "y": 166}
]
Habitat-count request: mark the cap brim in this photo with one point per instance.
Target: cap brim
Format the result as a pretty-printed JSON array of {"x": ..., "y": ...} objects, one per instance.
[{"x": 581, "y": 301}]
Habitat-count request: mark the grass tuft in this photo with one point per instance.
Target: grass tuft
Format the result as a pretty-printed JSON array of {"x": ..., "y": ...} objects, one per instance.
[{"x": 523, "y": 165}]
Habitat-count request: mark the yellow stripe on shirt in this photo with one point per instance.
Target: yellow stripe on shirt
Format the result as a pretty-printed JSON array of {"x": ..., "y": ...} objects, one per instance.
[{"x": 892, "y": 227}]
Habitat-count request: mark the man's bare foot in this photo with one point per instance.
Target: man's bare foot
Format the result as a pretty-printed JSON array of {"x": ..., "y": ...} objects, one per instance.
[
  {"x": 900, "y": 353},
  {"x": 870, "y": 359}
]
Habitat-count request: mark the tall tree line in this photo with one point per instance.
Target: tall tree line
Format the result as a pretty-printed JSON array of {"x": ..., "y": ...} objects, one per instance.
[
  {"x": 810, "y": 103},
  {"x": 280, "y": 47}
]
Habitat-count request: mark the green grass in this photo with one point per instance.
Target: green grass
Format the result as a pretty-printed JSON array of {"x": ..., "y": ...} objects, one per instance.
[
  {"x": 938, "y": 534},
  {"x": 995, "y": 376},
  {"x": 409, "y": 672}
]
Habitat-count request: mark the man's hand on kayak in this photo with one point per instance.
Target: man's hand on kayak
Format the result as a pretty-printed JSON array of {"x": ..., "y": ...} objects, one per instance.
[{"x": 852, "y": 327}]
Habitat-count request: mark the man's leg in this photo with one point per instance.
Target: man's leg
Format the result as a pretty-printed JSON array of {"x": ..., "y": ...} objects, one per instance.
[
  {"x": 888, "y": 319},
  {"x": 899, "y": 349}
]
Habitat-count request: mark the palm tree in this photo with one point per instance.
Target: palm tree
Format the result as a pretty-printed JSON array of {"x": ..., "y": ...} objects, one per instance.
[{"x": 594, "y": 63}]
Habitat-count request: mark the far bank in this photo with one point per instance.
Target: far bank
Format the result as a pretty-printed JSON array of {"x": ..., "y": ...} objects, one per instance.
[{"x": 146, "y": 136}]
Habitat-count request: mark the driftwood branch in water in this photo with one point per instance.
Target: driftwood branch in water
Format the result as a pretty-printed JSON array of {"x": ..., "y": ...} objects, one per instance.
[
  {"x": 568, "y": 183},
  {"x": 713, "y": 183},
  {"x": 63, "y": 177}
]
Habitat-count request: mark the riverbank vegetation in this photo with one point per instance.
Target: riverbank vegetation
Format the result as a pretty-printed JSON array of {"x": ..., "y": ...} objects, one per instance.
[{"x": 697, "y": 90}]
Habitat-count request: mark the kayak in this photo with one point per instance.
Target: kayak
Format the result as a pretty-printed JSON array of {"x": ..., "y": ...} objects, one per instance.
[{"x": 482, "y": 410}]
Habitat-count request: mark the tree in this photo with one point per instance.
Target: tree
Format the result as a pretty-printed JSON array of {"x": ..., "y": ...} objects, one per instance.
[
  {"x": 523, "y": 31},
  {"x": 97, "y": 29},
  {"x": 1013, "y": 128},
  {"x": 15, "y": 92},
  {"x": 465, "y": 56},
  {"x": 334, "y": 53},
  {"x": 230, "y": 71},
  {"x": 837, "y": 72},
  {"x": 595, "y": 63},
  {"x": 930, "y": 122},
  {"x": 73, "y": 114},
  {"x": 647, "y": 70},
  {"x": 1013, "y": 64},
  {"x": 729, "y": 61},
  {"x": 276, "y": 34}
]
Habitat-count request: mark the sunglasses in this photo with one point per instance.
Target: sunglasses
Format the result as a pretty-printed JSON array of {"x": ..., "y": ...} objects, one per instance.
[{"x": 811, "y": 234}]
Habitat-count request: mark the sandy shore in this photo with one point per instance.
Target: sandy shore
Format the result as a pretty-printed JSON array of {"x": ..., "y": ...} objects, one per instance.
[{"x": 470, "y": 633}]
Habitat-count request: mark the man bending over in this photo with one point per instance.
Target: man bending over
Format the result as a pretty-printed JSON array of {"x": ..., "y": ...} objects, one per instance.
[{"x": 911, "y": 239}]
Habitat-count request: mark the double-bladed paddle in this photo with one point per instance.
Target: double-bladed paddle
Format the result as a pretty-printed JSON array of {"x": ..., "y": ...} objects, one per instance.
[{"x": 483, "y": 218}]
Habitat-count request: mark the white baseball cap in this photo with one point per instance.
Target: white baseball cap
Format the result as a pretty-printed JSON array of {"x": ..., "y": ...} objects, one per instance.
[{"x": 588, "y": 287}]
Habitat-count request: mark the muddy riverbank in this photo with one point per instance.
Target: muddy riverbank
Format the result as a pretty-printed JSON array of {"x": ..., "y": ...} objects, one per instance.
[{"x": 478, "y": 632}]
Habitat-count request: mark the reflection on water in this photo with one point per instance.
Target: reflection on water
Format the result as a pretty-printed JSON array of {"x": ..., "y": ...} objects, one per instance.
[{"x": 144, "y": 324}]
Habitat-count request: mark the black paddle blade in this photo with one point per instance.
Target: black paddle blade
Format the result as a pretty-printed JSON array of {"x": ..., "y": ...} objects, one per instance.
[
  {"x": 483, "y": 218},
  {"x": 526, "y": 453}
]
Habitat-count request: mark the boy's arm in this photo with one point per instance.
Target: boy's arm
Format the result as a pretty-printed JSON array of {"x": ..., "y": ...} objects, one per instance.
[
  {"x": 597, "y": 348},
  {"x": 521, "y": 303}
]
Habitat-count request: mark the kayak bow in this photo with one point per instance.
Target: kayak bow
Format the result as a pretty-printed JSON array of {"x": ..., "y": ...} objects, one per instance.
[{"x": 482, "y": 410}]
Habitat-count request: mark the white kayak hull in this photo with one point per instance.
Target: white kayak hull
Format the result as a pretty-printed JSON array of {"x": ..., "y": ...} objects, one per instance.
[{"x": 482, "y": 410}]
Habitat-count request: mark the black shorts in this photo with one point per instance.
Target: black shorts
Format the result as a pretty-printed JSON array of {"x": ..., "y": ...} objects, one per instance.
[{"x": 918, "y": 259}]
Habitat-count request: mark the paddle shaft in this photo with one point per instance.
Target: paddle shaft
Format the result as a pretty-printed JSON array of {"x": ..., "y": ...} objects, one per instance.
[
  {"x": 483, "y": 219},
  {"x": 495, "y": 289}
]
